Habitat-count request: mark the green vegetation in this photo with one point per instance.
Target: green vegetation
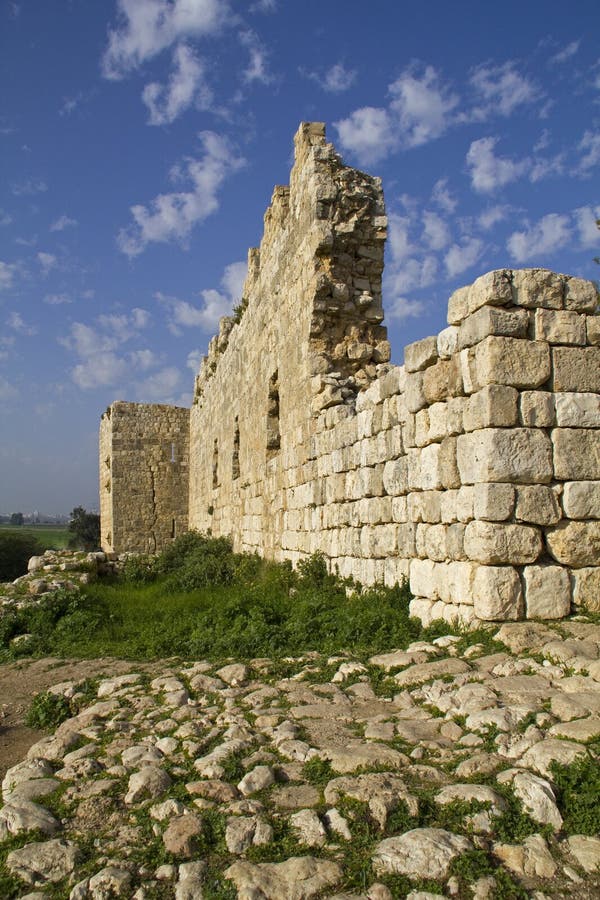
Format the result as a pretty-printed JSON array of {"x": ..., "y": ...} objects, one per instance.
[
  {"x": 18, "y": 543},
  {"x": 84, "y": 529},
  {"x": 578, "y": 790},
  {"x": 47, "y": 711},
  {"x": 199, "y": 599}
]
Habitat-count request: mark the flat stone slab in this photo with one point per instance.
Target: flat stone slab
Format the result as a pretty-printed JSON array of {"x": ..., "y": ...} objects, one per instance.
[{"x": 420, "y": 853}]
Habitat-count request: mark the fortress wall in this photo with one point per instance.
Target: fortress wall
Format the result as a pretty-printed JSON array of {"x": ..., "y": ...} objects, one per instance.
[
  {"x": 473, "y": 469},
  {"x": 144, "y": 452}
]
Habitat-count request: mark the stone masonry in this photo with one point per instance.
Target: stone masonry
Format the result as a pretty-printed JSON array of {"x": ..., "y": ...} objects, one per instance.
[{"x": 473, "y": 469}]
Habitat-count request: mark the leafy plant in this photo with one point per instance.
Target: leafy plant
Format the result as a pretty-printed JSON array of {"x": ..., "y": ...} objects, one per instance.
[
  {"x": 577, "y": 792},
  {"x": 47, "y": 711}
]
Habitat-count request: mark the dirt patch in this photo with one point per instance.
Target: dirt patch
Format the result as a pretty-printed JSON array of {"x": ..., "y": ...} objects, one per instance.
[{"x": 20, "y": 681}]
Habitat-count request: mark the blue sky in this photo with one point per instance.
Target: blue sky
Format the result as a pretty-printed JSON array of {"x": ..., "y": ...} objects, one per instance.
[{"x": 141, "y": 140}]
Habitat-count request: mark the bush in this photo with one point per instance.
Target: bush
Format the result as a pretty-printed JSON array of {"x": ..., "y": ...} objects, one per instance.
[
  {"x": 85, "y": 529},
  {"x": 47, "y": 711},
  {"x": 15, "y": 552},
  {"x": 139, "y": 569}
]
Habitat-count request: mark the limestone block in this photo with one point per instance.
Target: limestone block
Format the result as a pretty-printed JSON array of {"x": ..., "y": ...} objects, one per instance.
[
  {"x": 422, "y": 428},
  {"x": 447, "y": 342},
  {"x": 437, "y": 415},
  {"x": 420, "y": 608},
  {"x": 538, "y": 287},
  {"x": 455, "y": 541},
  {"x": 435, "y": 543},
  {"x": 461, "y": 577},
  {"x": 576, "y": 454},
  {"x": 464, "y": 503},
  {"x": 443, "y": 380},
  {"x": 378, "y": 541},
  {"x": 494, "y": 501},
  {"x": 414, "y": 393},
  {"x": 407, "y": 540},
  {"x": 424, "y": 506},
  {"x": 448, "y": 503},
  {"x": 422, "y": 580},
  {"x": 494, "y": 543},
  {"x": 493, "y": 288},
  {"x": 409, "y": 431},
  {"x": 577, "y": 410},
  {"x": 420, "y": 354},
  {"x": 536, "y": 409},
  {"x": 593, "y": 330},
  {"x": 456, "y": 407},
  {"x": 576, "y": 369},
  {"x": 497, "y": 593},
  {"x": 495, "y": 406},
  {"x": 581, "y": 295},
  {"x": 537, "y": 503},
  {"x": 395, "y": 571},
  {"x": 399, "y": 509},
  {"x": 547, "y": 592},
  {"x": 420, "y": 541},
  {"x": 468, "y": 370},
  {"x": 364, "y": 423},
  {"x": 575, "y": 544},
  {"x": 586, "y": 588},
  {"x": 395, "y": 476},
  {"x": 393, "y": 382},
  {"x": 458, "y": 305},
  {"x": 491, "y": 320},
  {"x": 518, "y": 455},
  {"x": 431, "y": 477},
  {"x": 520, "y": 363},
  {"x": 581, "y": 499},
  {"x": 559, "y": 326}
]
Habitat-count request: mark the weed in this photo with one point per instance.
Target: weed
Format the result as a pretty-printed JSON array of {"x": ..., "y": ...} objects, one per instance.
[
  {"x": 317, "y": 771},
  {"x": 47, "y": 711},
  {"x": 577, "y": 792}
]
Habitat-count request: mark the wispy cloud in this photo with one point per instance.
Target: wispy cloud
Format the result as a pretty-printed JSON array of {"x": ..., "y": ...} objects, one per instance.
[
  {"x": 334, "y": 80},
  {"x": 567, "y": 53},
  {"x": 7, "y": 274},
  {"x": 147, "y": 27},
  {"x": 549, "y": 234},
  {"x": 97, "y": 349},
  {"x": 29, "y": 188},
  {"x": 589, "y": 147},
  {"x": 501, "y": 89},
  {"x": 186, "y": 86},
  {"x": 16, "y": 323},
  {"x": 257, "y": 68},
  {"x": 5, "y": 218},
  {"x": 462, "y": 256},
  {"x": 488, "y": 171},
  {"x": 171, "y": 217},
  {"x": 63, "y": 222},
  {"x": 215, "y": 304},
  {"x": 47, "y": 262},
  {"x": 57, "y": 299}
]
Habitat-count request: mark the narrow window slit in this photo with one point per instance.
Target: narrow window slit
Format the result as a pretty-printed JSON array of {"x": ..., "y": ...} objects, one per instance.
[{"x": 273, "y": 434}]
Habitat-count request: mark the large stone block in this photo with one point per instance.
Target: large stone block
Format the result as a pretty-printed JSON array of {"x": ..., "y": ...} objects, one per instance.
[
  {"x": 420, "y": 354},
  {"x": 506, "y": 360},
  {"x": 447, "y": 462},
  {"x": 443, "y": 380},
  {"x": 431, "y": 468},
  {"x": 447, "y": 342},
  {"x": 395, "y": 476},
  {"x": 538, "y": 504},
  {"x": 461, "y": 576},
  {"x": 493, "y": 501},
  {"x": 575, "y": 544},
  {"x": 497, "y": 593},
  {"x": 559, "y": 326},
  {"x": 576, "y": 454},
  {"x": 538, "y": 287},
  {"x": 496, "y": 543},
  {"x": 519, "y": 455},
  {"x": 495, "y": 406},
  {"x": 576, "y": 369},
  {"x": 581, "y": 295},
  {"x": 536, "y": 409},
  {"x": 547, "y": 592},
  {"x": 492, "y": 320},
  {"x": 577, "y": 410},
  {"x": 414, "y": 394},
  {"x": 593, "y": 330},
  {"x": 581, "y": 499},
  {"x": 586, "y": 588},
  {"x": 422, "y": 581}
]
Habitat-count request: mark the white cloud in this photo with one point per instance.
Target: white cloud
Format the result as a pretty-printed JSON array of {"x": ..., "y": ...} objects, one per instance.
[
  {"x": 590, "y": 147},
  {"x": 7, "y": 274},
  {"x": 489, "y": 172},
  {"x": 257, "y": 68},
  {"x": 47, "y": 262},
  {"x": 264, "y": 6},
  {"x": 368, "y": 133},
  {"x": 566, "y": 53},
  {"x": 5, "y": 219},
  {"x": 194, "y": 358},
  {"x": 545, "y": 167},
  {"x": 547, "y": 235},
  {"x": 334, "y": 80},
  {"x": 63, "y": 222},
  {"x": 186, "y": 84},
  {"x": 160, "y": 386},
  {"x": 586, "y": 223},
  {"x": 56, "y": 299},
  {"x": 100, "y": 365},
  {"x": 403, "y": 308},
  {"x": 7, "y": 390},
  {"x": 462, "y": 256},
  {"x": 491, "y": 216},
  {"x": 423, "y": 105},
  {"x": 502, "y": 89},
  {"x": 173, "y": 216},
  {"x": 29, "y": 188},
  {"x": 435, "y": 231},
  {"x": 143, "y": 359},
  {"x": 443, "y": 197},
  {"x": 398, "y": 237},
  {"x": 16, "y": 322},
  {"x": 147, "y": 27},
  {"x": 411, "y": 274},
  {"x": 215, "y": 304}
]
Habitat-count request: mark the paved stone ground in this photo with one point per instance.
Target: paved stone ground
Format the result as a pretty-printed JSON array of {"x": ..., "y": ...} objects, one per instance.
[{"x": 407, "y": 775}]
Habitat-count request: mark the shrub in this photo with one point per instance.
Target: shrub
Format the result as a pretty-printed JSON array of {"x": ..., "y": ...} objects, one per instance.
[
  {"x": 15, "y": 552},
  {"x": 47, "y": 711},
  {"x": 139, "y": 569},
  {"x": 577, "y": 790}
]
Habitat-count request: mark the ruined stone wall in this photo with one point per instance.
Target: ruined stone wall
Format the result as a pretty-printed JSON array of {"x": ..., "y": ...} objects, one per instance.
[
  {"x": 473, "y": 469},
  {"x": 144, "y": 453}
]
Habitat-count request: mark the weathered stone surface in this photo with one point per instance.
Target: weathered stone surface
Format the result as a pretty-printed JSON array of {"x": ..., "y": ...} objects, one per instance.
[
  {"x": 586, "y": 588},
  {"x": 150, "y": 781},
  {"x": 540, "y": 756},
  {"x": 586, "y": 850},
  {"x": 43, "y": 862},
  {"x": 517, "y": 455},
  {"x": 308, "y": 827},
  {"x": 492, "y": 320},
  {"x": 497, "y": 593},
  {"x": 532, "y": 858},
  {"x": 559, "y": 326},
  {"x": 577, "y": 410},
  {"x": 181, "y": 837},
  {"x": 538, "y": 288},
  {"x": 420, "y": 354},
  {"x": 575, "y": 544},
  {"x": 520, "y": 363},
  {"x": 538, "y": 504},
  {"x": 493, "y": 501},
  {"x": 17, "y": 816},
  {"x": 537, "y": 409},
  {"x": 547, "y": 592},
  {"x": 298, "y": 878},
  {"x": 420, "y": 853},
  {"x": 496, "y": 543},
  {"x": 538, "y": 798},
  {"x": 576, "y": 369},
  {"x": 581, "y": 499},
  {"x": 258, "y": 779},
  {"x": 494, "y": 406},
  {"x": 424, "y": 671},
  {"x": 576, "y": 454}
]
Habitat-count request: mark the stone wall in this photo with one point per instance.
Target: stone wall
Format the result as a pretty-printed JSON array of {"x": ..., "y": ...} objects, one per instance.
[
  {"x": 144, "y": 453},
  {"x": 473, "y": 469}
]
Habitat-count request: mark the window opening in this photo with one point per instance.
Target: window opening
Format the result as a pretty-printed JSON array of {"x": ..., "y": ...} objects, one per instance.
[
  {"x": 273, "y": 435},
  {"x": 215, "y": 465},
  {"x": 235, "y": 459},
  {"x": 173, "y": 529}
]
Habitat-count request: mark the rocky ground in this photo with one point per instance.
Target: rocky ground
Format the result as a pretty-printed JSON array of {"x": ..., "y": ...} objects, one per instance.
[{"x": 419, "y": 773}]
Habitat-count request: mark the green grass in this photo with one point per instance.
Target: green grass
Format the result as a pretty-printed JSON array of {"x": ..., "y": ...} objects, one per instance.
[
  {"x": 49, "y": 537},
  {"x": 201, "y": 600}
]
